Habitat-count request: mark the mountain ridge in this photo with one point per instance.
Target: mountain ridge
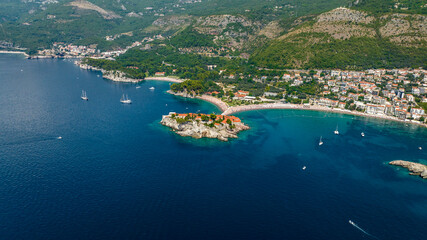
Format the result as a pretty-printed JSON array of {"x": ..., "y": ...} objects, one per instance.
[{"x": 270, "y": 35}]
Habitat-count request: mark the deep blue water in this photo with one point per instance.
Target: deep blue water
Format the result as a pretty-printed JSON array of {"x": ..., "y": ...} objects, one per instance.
[{"x": 118, "y": 174}]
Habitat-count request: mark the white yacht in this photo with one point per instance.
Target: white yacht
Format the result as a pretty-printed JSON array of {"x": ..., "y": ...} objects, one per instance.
[
  {"x": 320, "y": 141},
  {"x": 84, "y": 95},
  {"x": 151, "y": 88},
  {"x": 303, "y": 168},
  {"x": 138, "y": 87},
  {"x": 420, "y": 148},
  {"x": 125, "y": 99},
  {"x": 336, "y": 132},
  {"x": 362, "y": 134}
]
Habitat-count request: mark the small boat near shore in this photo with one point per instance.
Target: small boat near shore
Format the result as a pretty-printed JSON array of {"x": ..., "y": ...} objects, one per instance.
[
  {"x": 138, "y": 87},
  {"x": 84, "y": 96},
  {"x": 151, "y": 88},
  {"x": 125, "y": 99},
  {"x": 336, "y": 132},
  {"x": 320, "y": 141}
]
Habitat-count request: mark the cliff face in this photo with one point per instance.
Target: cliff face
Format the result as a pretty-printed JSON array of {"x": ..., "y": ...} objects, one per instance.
[
  {"x": 116, "y": 76},
  {"x": 414, "y": 168},
  {"x": 201, "y": 129}
]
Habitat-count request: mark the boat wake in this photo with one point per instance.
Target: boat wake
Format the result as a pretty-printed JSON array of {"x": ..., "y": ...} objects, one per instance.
[
  {"x": 30, "y": 140},
  {"x": 365, "y": 232}
]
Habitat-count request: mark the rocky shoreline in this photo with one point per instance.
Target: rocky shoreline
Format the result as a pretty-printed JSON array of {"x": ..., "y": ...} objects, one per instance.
[
  {"x": 204, "y": 126},
  {"x": 414, "y": 168},
  {"x": 115, "y": 76},
  {"x": 118, "y": 76}
]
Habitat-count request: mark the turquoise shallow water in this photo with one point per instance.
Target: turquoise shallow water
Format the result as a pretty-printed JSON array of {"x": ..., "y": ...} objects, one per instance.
[{"x": 117, "y": 173}]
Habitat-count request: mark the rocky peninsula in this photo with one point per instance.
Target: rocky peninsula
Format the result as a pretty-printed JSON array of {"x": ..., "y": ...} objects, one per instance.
[
  {"x": 116, "y": 76},
  {"x": 414, "y": 168},
  {"x": 204, "y": 126}
]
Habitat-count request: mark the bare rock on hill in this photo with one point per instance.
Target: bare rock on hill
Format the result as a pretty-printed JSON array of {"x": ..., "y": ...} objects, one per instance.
[{"x": 83, "y": 4}]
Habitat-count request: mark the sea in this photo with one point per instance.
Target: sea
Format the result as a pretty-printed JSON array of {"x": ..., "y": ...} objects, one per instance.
[{"x": 99, "y": 169}]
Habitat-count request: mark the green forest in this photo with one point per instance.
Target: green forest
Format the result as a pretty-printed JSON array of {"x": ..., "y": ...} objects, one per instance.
[
  {"x": 354, "y": 53},
  {"x": 163, "y": 59}
]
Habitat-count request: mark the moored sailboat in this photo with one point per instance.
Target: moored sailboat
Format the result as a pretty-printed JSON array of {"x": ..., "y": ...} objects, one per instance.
[
  {"x": 336, "y": 132},
  {"x": 84, "y": 95},
  {"x": 125, "y": 99}
]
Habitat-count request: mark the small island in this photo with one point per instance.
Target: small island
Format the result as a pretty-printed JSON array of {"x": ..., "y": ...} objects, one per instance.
[
  {"x": 204, "y": 126},
  {"x": 414, "y": 168}
]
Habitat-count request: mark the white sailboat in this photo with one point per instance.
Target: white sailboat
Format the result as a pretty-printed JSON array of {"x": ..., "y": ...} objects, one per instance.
[
  {"x": 125, "y": 99},
  {"x": 320, "y": 141},
  {"x": 84, "y": 95},
  {"x": 336, "y": 132}
]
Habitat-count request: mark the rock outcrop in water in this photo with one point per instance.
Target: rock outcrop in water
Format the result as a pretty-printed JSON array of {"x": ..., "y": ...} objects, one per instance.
[
  {"x": 414, "y": 168},
  {"x": 204, "y": 126}
]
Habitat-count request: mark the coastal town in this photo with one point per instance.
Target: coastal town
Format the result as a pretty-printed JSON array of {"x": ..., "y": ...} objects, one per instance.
[
  {"x": 213, "y": 119},
  {"x": 397, "y": 94},
  {"x": 390, "y": 93},
  {"x": 394, "y": 94}
]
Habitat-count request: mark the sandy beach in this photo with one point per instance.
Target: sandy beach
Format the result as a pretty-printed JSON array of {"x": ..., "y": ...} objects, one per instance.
[
  {"x": 15, "y": 52},
  {"x": 217, "y": 102},
  {"x": 165, "y": 79},
  {"x": 244, "y": 108},
  {"x": 226, "y": 110}
]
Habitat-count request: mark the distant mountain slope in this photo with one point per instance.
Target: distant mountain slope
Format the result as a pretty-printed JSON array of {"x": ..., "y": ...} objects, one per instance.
[
  {"x": 348, "y": 38},
  {"x": 36, "y": 24}
]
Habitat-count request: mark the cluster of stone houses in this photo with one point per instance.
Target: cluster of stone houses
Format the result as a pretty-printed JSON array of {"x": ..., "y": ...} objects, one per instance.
[{"x": 70, "y": 49}]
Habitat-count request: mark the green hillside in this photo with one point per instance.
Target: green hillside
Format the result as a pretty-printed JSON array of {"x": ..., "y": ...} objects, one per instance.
[
  {"x": 36, "y": 25},
  {"x": 350, "y": 39}
]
